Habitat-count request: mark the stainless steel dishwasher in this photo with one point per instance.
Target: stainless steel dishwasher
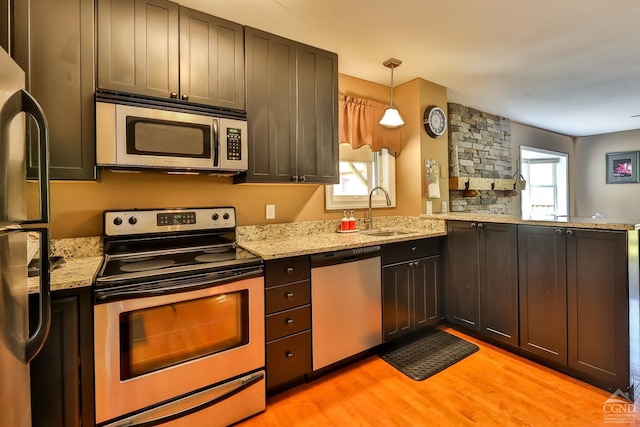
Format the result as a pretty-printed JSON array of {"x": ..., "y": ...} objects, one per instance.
[{"x": 346, "y": 304}]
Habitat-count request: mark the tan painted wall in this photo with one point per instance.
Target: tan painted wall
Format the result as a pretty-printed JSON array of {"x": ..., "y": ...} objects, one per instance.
[{"x": 412, "y": 98}]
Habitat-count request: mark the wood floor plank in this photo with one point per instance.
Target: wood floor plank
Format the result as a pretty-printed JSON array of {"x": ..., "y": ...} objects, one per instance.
[{"x": 490, "y": 387}]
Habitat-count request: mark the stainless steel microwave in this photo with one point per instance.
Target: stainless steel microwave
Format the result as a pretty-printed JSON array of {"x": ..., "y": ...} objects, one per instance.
[{"x": 143, "y": 137}]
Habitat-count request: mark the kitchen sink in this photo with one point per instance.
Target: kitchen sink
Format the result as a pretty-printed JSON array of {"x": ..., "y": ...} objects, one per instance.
[{"x": 383, "y": 233}]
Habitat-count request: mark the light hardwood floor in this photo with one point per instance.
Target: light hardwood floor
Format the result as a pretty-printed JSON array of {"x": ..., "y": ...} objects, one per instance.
[{"x": 490, "y": 387}]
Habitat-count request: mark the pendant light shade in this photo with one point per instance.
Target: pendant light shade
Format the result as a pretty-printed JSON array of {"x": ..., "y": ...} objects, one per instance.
[{"x": 391, "y": 117}]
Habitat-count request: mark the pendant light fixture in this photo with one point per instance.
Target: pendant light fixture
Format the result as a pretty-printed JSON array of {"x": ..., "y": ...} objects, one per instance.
[{"x": 391, "y": 117}]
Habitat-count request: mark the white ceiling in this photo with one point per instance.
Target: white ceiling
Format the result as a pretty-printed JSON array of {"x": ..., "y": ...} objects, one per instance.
[{"x": 570, "y": 66}]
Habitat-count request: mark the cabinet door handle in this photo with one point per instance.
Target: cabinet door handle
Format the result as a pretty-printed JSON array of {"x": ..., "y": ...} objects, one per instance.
[
  {"x": 569, "y": 232},
  {"x": 415, "y": 264},
  {"x": 288, "y": 295},
  {"x": 294, "y": 178},
  {"x": 473, "y": 225},
  {"x": 174, "y": 95},
  {"x": 290, "y": 271},
  {"x": 480, "y": 225},
  {"x": 288, "y": 321},
  {"x": 413, "y": 249},
  {"x": 558, "y": 231},
  {"x": 289, "y": 354},
  {"x": 303, "y": 178},
  {"x": 185, "y": 97}
]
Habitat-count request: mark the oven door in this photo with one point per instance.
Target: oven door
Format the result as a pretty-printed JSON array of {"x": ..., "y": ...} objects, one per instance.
[{"x": 150, "y": 350}]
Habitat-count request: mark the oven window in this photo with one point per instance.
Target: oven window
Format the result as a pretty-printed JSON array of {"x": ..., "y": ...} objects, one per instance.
[
  {"x": 163, "y": 336},
  {"x": 168, "y": 138}
]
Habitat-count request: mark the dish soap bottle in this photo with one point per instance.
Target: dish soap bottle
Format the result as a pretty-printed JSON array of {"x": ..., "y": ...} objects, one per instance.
[
  {"x": 344, "y": 222},
  {"x": 352, "y": 222}
]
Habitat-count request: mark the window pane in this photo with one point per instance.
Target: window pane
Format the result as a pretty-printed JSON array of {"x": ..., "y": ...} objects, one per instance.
[
  {"x": 541, "y": 173},
  {"x": 353, "y": 179},
  {"x": 543, "y": 199}
]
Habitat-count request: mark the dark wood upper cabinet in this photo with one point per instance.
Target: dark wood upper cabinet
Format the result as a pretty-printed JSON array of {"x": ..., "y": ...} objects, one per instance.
[
  {"x": 211, "y": 60},
  {"x": 5, "y": 35},
  {"x": 176, "y": 53},
  {"x": 138, "y": 44},
  {"x": 292, "y": 101},
  {"x": 53, "y": 42}
]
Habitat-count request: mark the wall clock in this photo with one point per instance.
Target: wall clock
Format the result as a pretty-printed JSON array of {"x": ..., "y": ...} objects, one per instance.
[{"x": 435, "y": 121}]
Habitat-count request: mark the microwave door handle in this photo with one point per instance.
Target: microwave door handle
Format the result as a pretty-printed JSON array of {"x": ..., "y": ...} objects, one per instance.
[{"x": 216, "y": 142}]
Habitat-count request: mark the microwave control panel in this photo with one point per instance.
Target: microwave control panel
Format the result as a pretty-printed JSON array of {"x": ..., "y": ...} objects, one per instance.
[{"x": 234, "y": 144}]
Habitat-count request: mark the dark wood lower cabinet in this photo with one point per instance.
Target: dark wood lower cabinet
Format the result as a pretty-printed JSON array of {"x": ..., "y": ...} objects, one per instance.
[
  {"x": 62, "y": 373},
  {"x": 598, "y": 307},
  {"x": 410, "y": 296},
  {"x": 288, "y": 322},
  {"x": 482, "y": 279},
  {"x": 543, "y": 292}
]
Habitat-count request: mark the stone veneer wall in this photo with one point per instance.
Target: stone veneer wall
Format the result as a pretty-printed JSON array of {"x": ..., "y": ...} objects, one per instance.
[{"x": 479, "y": 146}]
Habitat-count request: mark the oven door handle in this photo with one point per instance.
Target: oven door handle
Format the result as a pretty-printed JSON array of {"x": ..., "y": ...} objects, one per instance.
[{"x": 146, "y": 419}]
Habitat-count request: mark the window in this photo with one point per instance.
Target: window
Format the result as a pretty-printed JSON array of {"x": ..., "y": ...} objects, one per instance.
[
  {"x": 360, "y": 171},
  {"x": 546, "y": 192}
]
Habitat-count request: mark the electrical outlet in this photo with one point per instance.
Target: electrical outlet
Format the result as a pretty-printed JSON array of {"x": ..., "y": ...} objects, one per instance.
[{"x": 271, "y": 211}]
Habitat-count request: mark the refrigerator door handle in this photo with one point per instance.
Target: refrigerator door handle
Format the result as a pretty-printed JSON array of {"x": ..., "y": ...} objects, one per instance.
[
  {"x": 36, "y": 341},
  {"x": 29, "y": 105}
]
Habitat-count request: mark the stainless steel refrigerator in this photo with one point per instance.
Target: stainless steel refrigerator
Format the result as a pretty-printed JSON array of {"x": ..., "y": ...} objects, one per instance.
[{"x": 17, "y": 347}]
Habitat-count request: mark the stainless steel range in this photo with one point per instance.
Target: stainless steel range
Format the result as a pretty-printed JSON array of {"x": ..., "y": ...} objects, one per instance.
[{"x": 178, "y": 320}]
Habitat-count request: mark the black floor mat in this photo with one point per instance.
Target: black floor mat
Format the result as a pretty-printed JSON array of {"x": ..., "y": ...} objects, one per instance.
[{"x": 427, "y": 354}]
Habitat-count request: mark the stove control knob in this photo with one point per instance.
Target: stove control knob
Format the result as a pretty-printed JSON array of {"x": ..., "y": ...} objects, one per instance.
[
  {"x": 117, "y": 221},
  {"x": 133, "y": 220},
  {"x": 225, "y": 216},
  {"x": 215, "y": 216}
]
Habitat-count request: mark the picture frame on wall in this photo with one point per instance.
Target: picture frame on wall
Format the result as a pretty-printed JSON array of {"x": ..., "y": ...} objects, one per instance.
[{"x": 622, "y": 167}]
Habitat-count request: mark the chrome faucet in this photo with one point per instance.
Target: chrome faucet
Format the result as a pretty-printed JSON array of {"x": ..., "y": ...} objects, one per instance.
[{"x": 369, "y": 219}]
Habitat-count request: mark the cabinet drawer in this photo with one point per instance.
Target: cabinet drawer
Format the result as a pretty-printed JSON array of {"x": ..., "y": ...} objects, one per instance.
[
  {"x": 288, "y": 322},
  {"x": 405, "y": 251},
  {"x": 288, "y": 296},
  {"x": 288, "y": 358},
  {"x": 287, "y": 270}
]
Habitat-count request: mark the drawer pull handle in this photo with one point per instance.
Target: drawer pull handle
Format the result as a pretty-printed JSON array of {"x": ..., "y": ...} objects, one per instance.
[
  {"x": 288, "y": 295},
  {"x": 413, "y": 249},
  {"x": 289, "y": 355},
  {"x": 289, "y": 321},
  {"x": 290, "y": 270}
]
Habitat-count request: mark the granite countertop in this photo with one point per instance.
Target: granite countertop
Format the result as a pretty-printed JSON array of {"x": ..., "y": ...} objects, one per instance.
[
  {"x": 575, "y": 222},
  {"x": 73, "y": 273},
  {"x": 284, "y": 247},
  {"x": 82, "y": 258},
  {"x": 272, "y": 241}
]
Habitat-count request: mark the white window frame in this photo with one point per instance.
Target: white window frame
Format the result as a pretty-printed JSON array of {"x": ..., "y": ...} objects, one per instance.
[{"x": 383, "y": 162}]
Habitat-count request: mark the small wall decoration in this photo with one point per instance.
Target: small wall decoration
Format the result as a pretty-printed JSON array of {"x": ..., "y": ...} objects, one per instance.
[
  {"x": 432, "y": 175},
  {"x": 622, "y": 167}
]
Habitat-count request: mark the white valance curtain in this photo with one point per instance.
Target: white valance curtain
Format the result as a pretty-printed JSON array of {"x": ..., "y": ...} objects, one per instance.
[{"x": 359, "y": 125}]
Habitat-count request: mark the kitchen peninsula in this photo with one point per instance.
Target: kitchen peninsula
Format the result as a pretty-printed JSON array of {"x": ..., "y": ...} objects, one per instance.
[{"x": 522, "y": 284}]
